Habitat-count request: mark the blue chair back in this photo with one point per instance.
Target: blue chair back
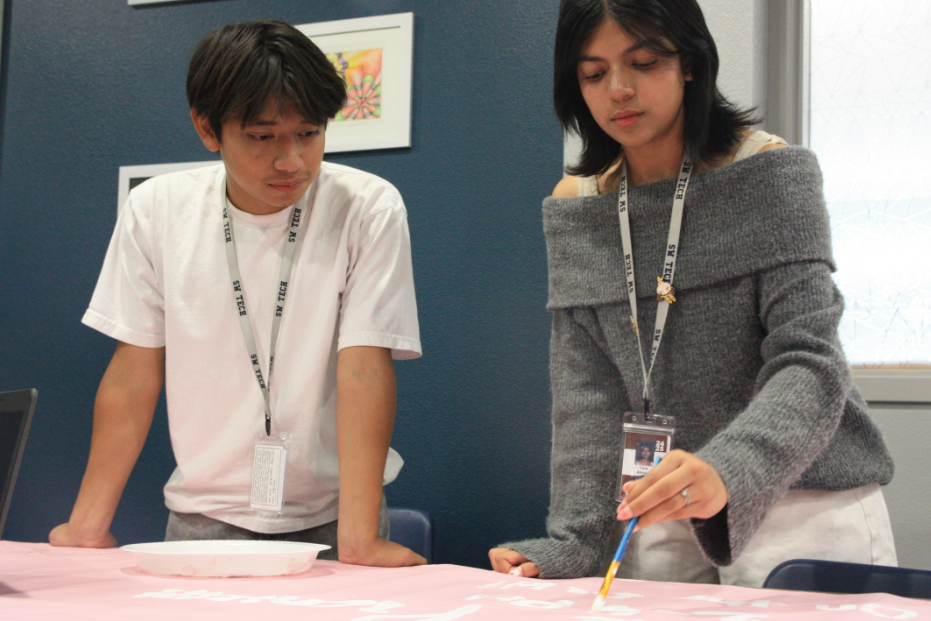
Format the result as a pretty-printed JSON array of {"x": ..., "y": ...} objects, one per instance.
[
  {"x": 851, "y": 578},
  {"x": 412, "y": 528}
]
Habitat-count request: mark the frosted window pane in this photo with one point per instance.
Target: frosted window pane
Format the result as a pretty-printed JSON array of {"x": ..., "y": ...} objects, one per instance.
[{"x": 871, "y": 130}]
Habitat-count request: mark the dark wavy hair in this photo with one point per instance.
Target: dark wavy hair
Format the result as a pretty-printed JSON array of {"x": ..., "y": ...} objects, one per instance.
[
  {"x": 238, "y": 70},
  {"x": 666, "y": 27}
]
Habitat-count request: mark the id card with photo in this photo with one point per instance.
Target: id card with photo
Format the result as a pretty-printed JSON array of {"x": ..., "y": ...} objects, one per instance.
[{"x": 646, "y": 437}]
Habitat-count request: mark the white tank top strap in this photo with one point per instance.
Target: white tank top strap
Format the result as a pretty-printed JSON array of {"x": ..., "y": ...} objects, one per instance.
[
  {"x": 588, "y": 186},
  {"x": 754, "y": 142}
]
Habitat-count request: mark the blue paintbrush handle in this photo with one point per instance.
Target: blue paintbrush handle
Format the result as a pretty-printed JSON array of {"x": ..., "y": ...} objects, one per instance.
[
  {"x": 623, "y": 545},
  {"x": 612, "y": 570},
  {"x": 630, "y": 528}
]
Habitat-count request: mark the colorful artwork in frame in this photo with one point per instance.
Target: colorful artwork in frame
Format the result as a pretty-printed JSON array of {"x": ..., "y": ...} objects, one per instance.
[
  {"x": 362, "y": 72},
  {"x": 374, "y": 56}
]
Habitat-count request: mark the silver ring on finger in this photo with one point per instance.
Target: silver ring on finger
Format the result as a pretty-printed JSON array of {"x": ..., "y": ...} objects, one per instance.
[{"x": 685, "y": 494}]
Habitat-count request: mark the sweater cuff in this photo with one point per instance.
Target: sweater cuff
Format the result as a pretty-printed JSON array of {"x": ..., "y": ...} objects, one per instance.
[
  {"x": 554, "y": 558},
  {"x": 713, "y": 537}
]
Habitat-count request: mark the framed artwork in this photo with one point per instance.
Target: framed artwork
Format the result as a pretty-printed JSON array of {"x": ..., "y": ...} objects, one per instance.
[
  {"x": 375, "y": 56},
  {"x": 131, "y": 176},
  {"x": 132, "y": 2}
]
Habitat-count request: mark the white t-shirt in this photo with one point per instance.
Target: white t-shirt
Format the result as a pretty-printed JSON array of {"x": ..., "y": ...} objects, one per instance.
[{"x": 166, "y": 282}]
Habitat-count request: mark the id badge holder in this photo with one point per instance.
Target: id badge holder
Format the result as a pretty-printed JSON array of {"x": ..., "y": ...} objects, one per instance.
[
  {"x": 646, "y": 437},
  {"x": 269, "y": 461}
]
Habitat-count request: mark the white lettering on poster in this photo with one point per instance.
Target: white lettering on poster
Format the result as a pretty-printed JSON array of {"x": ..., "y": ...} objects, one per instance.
[
  {"x": 364, "y": 605},
  {"x": 535, "y": 585},
  {"x": 458, "y": 613},
  {"x": 517, "y": 600}
]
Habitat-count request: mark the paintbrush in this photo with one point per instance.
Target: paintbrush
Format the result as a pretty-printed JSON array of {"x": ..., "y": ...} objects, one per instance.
[{"x": 612, "y": 569}]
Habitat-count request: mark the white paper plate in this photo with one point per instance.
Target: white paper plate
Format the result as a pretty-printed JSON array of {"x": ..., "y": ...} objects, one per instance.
[{"x": 224, "y": 559}]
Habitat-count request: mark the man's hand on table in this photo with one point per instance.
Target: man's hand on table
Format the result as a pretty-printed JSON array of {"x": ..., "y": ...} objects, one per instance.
[
  {"x": 379, "y": 553},
  {"x": 65, "y": 536}
]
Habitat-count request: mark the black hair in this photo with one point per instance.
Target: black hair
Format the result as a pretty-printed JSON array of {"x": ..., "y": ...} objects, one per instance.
[
  {"x": 648, "y": 444},
  {"x": 666, "y": 27},
  {"x": 237, "y": 71}
]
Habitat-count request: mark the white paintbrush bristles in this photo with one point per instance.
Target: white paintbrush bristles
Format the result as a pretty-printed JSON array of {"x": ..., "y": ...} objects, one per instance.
[{"x": 599, "y": 604}]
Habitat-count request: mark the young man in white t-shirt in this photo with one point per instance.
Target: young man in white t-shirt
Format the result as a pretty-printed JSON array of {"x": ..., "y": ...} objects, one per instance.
[{"x": 211, "y": 272}]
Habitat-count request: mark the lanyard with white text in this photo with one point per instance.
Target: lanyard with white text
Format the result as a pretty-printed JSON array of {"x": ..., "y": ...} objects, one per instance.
[
  {"x": 665, "y": 292},
  {"x": 295, "y": 234}
]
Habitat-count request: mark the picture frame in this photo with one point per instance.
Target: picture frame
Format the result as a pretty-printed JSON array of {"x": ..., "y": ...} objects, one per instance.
[
  {"x": 375, "y": 57},
  {"x": 131, "y": 176}
]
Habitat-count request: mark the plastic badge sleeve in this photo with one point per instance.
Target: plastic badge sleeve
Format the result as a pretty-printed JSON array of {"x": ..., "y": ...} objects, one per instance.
[{"x": 646, "y": 437}]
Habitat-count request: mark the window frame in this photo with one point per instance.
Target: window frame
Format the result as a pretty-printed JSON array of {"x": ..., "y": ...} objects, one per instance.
[
  {"x": 788, "y": 75},
  {"x": 788, "y": 96}
]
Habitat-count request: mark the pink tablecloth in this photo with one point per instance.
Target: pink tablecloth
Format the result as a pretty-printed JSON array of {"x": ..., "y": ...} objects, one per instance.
[{"x": 38, "y": 583}]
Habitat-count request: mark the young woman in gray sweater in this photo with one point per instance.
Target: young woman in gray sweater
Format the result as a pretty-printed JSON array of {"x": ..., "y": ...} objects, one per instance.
[{"x": 776, "y": 456}]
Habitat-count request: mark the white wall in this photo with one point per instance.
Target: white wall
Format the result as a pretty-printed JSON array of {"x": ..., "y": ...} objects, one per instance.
[
  {"x": 907, "y": 429},
  {"x": 739, "y": 31}
]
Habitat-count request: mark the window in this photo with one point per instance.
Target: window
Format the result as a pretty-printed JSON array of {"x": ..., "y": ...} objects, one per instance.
[{"x": 870, "y": 125}]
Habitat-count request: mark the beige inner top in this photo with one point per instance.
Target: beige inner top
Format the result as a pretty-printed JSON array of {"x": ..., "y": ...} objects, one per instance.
[{"x": 588, "y": 186}]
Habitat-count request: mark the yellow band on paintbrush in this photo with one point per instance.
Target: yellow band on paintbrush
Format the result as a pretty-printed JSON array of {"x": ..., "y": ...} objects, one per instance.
[{"x": 609, "y": 578}]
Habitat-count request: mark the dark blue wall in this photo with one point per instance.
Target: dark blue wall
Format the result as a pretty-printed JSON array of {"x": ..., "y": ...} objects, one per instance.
[{"x": 94, "y": 84}]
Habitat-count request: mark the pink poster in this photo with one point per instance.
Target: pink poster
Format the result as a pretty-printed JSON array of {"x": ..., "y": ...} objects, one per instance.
[{"x": 41, "y": 583}]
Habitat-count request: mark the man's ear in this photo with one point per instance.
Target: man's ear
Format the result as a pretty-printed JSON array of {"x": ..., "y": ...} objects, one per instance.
[{"x": 202, "y": 126}]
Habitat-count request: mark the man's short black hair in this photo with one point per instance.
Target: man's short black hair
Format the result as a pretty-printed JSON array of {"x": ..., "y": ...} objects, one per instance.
[{"x": 239, "y": 70}]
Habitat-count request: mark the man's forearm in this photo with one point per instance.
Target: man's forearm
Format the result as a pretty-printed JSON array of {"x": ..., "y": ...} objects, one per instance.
[
  {"x": 123, "y": 413},
  {"x": 366, "y": 400}
]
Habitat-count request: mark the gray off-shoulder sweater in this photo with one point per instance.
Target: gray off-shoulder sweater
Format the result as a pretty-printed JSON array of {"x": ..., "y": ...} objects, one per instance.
[{"x": 749, "y": 364}]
